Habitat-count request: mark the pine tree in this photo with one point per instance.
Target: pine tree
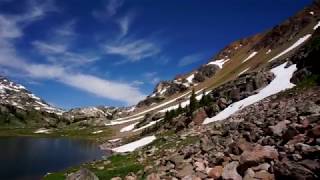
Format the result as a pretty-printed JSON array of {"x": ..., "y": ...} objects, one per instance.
[
  {"x": 179, "y": 110},
  {"x": 193, "y": 103}
]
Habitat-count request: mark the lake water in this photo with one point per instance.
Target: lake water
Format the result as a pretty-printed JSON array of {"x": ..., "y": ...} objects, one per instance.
[{"x": 27, "y": 158}]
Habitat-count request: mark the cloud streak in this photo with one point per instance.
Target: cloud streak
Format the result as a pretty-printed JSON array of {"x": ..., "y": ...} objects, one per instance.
[
  {"x": 135, "y": 50},
  {"x": 12, "y": 29}
]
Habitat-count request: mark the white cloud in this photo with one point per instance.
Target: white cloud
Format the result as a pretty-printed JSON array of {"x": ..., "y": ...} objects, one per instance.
[
  {"x": 66, "y": 29},
  {"x": 11, "y": 28},
  {"x": 190, "y": 59},
  {"x": 124, "y": 24},
  {"x": 134, "y": 50}
]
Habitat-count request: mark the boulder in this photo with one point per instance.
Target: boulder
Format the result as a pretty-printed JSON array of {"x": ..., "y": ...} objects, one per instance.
[
  {"x": 153, "y": 176},
  {"x": 230, "y": 171},
  {"x": 215, "y": 172},
  {"x": 199, "y": 116}
]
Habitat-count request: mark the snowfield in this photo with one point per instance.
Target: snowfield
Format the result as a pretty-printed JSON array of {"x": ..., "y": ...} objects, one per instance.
[
  {"x": 135, "y": 144},
  {"x": 243, "y": 71},
  {"x": 128, "y": 128},
  {"x": 250, "y": 56},
  {"x": 296, "y": 44},
  {"x": 281, "y": 82}
]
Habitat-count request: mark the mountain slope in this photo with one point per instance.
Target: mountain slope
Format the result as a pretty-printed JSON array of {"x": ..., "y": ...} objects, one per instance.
[{"x": 20, "y": 107}]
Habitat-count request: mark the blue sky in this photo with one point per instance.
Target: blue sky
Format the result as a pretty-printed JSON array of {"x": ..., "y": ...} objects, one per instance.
[{"x": 80, "y": 53}]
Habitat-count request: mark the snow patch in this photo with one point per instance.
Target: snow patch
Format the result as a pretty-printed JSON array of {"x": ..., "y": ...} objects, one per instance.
[
  {"x": 128, "y": 128},
  {"x": 148, "y": 125},
  {"x": 296, "y": 44},
  {"x": 316, "y": 26},
  {"x": 250, "y": 56},
  {"x": 311, "y": 12},
  {"x": 243, "y": 71},
  {"x": 220, "y": 62},
  {"x": 42, "y": 131},
  {"x": 190, "y": 78},
  {"x": 269, "y": 51},
  {"x": 135, "y": 145},
  {"x": 97, "y": 132},
  {"x": 279, "y": 83},
  {"x": 117, "y": 122}
]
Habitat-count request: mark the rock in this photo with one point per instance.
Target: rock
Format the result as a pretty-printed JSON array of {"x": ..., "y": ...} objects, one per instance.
[
  {"x": 279, "y": 128},
  {"x": 200, "y": 166},
  {"x": 131, "y": 176},
  {"x": 185, "y": 171},
  {"x": 259, "y": 154},
  {"x": 116, "y": 178},
  {"x": 255, "y": 156},
  {"x": 199, "y": 117},
  {"x": 82, "y": 174},
  {"x": 215, "y": 172},
  {"x": 291, "y": 170},
  {"x": 153, "y": 176},
  {"x": 230, "y": 171},
  {"x": 315, "y": 132},
  {"x": 249, "y": 174},
  {"x": 264, "y": 166},
  {"x": 264, "y": 175},
  {"x": 311, "y": 164}
]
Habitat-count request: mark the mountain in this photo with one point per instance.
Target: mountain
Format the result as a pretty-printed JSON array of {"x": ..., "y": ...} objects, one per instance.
[{"x": 20, "y": 107}]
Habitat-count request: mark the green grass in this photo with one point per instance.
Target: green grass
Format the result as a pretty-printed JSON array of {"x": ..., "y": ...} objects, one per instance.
[
  {"x": 117, "y": 166},
  {"x": 85, "y": 133}
]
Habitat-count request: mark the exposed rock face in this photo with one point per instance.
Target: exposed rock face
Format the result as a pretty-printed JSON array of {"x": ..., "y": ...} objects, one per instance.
[
  {"x": 204, "y": 72},
  {"x": 82, "y": 174}
]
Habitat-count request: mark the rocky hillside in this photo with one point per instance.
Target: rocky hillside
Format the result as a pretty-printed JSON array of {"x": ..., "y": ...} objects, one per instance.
[{"x": 253, "y": 115}]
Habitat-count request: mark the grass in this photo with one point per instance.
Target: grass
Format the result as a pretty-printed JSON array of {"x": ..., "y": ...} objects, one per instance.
[
  {"x": 79, "y": 133},
  {"x": 114, "y": 166}
]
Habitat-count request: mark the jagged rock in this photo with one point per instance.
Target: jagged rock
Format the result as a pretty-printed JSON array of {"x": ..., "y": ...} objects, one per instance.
[
  {"x": 279, "y": 128},
  {"x": 200, "y": 166},
  {"x": 230, "y": 171},
  {"x": 82, "y": 174},
  {"x": 215, "y": 172},
  {"x": 264, "y": 175},
  {"x": 256, "y": 155}
]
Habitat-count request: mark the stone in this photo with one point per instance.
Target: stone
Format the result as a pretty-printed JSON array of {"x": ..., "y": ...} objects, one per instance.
[
  {"x": 153, "y": 176},
  {"x": 131, "y": 177},
  {"x": 315, "y": 132},
  {"x": 264, "y": 175},
  {"x": 230, "y": 171},
  {"x": 116, "y": 178},
  {"x": 82, "y": 174},
  {"x": 199, "y": 117},
  {"x": 291, "y": 170},
  {"x": 200, "y": 166},
  {"x": 311, "y": 164},
  {"x": 279, "y": 128},
  {"x": 215, "y": 172},
  {"x": 249, "y": 174},
  {"x": 264, "y": 166},
  {"x": 257, "y": 155},
  {"x": 185, "y": 171}
]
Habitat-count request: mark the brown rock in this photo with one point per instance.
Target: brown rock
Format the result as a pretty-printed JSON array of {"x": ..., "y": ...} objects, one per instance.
[
  {"x": 199, "y": 116},
  {"x": 185, "y": 171},
  {"x": 215, "y": 172},
  {"x": 316, "y": 131},
  {"x": 230, "y": 171},
  {"x": 279, "y": 128},
  {"x": 264, "y": 175},
  {"x": 116, "y": 178},
  {"x": 153, "y": 176},
  {"x": 259, "y": 154}
]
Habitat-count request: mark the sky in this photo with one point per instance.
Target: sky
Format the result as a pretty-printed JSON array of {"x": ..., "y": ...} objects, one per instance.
[{"x": 80, "y": 53}]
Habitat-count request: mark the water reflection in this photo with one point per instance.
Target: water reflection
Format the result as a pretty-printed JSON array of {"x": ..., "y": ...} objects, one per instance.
[{"x": 30, "y": 158}]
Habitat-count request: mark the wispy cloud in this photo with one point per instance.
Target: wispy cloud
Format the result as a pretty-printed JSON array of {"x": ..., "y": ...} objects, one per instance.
[
  {"x": 12, "y": 29},
  {"x": 124, "y": 23},
  {"x": 110, "y": 9},
  {"x": 190, "y": 59},
  {"x": 66, "y": 29},
  {"x": 134, "y": 50},
  {"x": 152, "y": 77}
]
